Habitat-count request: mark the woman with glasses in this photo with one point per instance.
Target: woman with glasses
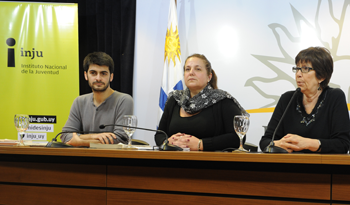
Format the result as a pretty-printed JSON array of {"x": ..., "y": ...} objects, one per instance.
[{"x": 318, "y": 118}]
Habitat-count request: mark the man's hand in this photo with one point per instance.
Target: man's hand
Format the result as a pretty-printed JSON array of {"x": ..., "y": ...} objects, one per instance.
[
  {"x": 75, "y": 141},
  {"x": 104, "y": 138}
]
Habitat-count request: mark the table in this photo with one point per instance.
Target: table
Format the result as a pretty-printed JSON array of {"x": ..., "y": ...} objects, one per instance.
[{"x": 101, "y": 176}]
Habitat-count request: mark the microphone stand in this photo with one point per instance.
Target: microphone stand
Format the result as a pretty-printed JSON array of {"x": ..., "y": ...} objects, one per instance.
[
  {"x": 165, "y": 146},
  {"x": 54, "y": 143},
  {"x": 272, "y": 148}
]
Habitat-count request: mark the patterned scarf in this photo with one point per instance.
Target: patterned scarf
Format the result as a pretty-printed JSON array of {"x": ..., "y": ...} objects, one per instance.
[{"x": 205, "y": 98}]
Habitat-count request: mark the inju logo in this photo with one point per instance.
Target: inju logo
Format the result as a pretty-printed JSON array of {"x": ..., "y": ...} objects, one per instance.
[{"x": 24, "y": 53}]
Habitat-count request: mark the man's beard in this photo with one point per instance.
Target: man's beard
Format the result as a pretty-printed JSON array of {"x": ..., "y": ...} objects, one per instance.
[{"x": 99, "y": 89}]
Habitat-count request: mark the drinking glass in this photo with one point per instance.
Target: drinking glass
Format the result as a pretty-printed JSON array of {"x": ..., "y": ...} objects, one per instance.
[
  {"x": 129, "y": 121},
  {"x": 241, "y": 125},
  {"x": 22, "y": 124}
]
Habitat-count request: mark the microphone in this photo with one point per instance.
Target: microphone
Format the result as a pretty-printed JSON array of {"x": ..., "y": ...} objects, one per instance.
[
  {"x": 54, "y": 143},
  {"x": 165, "y": 146},
  {"x": 271, "y": 148}
]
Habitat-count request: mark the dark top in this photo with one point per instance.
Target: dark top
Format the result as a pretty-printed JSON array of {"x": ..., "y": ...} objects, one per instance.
[
  {"x": 198, "y": 125},
  {"x": 214, "y": 125},
  {"x": 329, "y": 121}
]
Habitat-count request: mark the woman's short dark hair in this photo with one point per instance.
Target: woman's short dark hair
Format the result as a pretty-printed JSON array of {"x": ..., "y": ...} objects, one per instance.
[
  {"x": 98, "y": 58},
  {"x": 321, "y": 61},
  {"x": 214, "y": 78}
]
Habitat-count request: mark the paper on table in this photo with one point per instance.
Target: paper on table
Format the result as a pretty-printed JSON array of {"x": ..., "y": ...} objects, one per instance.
[
  {"x": 35, "y": 143},
  {"x": 7, "y": 142},
  {"x": 119, "y": 146}
]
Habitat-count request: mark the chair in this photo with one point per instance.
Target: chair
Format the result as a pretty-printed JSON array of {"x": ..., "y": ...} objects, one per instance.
[
  {"x": 138, "y": 142},
  {"x": 250, "y": 147}
]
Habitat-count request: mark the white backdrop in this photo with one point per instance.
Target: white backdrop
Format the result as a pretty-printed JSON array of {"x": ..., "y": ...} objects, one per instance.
[{"x": 250, "y": 44}]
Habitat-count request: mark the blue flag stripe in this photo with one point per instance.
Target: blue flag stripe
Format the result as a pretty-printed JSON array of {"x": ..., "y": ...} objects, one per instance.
[
  {"x": 162, "y": 99},
  {"x": 163, "y": 96},
  {"x": 178, "y": 86}
]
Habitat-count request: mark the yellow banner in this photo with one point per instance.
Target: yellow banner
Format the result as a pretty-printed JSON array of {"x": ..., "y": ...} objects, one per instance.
[
  {"x": 261, "y": 110},
  {"x": 39, "y": 66}
]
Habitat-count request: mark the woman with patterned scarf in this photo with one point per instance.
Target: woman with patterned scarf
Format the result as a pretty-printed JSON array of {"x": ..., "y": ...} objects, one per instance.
[{"x": 201, "y": 116}]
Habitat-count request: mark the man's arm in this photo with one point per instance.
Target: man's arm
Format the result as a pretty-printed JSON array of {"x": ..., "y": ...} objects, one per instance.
[
  {"x": 124, "y": 107},
  {"x": 78, "y": 142},
  {"x": 73, "y": 123},
  {"x": 104, "y": 138}
]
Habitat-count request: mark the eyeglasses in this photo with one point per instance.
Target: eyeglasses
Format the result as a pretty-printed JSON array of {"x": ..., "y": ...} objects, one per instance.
[{"x": 303, "y": 69}]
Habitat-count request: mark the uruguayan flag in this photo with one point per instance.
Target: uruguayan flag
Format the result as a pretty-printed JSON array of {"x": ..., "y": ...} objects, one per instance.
[{"x": 173, "y": 72}]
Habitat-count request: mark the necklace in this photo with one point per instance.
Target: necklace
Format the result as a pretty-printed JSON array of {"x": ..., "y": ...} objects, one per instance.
[{"x": 312, "y": 117}]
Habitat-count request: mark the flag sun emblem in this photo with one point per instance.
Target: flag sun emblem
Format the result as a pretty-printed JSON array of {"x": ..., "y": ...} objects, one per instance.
[{"x": 172, "y": 45}]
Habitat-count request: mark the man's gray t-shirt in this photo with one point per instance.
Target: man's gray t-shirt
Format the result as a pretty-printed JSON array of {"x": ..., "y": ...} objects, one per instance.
[{"x": 85, "y": 116}]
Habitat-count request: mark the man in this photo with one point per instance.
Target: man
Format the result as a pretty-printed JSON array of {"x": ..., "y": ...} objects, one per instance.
[{"x": 103, "y": 106}]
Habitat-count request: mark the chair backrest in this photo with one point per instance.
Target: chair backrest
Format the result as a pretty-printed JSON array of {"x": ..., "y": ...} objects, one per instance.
[
  {"x": 138, "y": 142},
  {"x": 265, "y": 127},
  {"x": 250, "y": 147}
]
